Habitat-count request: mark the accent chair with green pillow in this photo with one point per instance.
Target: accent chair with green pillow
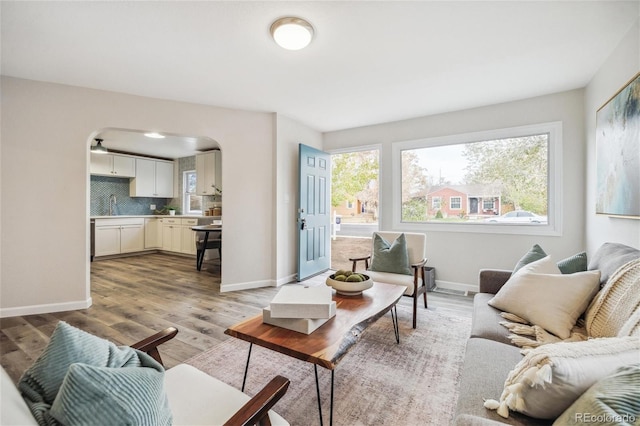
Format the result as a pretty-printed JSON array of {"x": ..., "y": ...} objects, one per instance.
[
  {"x": 83, "y": 379},
  {"x": 398, "y": 258}
]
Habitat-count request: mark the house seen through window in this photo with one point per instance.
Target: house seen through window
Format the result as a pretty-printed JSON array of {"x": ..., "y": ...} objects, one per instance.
[{"x": 498, "y": 181}]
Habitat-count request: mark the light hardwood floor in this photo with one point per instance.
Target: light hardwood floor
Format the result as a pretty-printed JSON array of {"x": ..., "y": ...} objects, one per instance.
[{"x": 133, "y": 297}]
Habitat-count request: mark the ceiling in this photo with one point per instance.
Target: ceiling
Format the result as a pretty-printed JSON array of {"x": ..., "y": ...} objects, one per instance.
[{"x": 370, "y": 62}]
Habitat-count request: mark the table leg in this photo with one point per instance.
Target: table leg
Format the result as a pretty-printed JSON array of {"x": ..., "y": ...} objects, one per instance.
[
  {"x": 315, "y": 367},
  {"x": 200, "y": 256},
  {"x": 246, "y": 368},
  {"x": 394, "y": 319},
  {"x": 331, "y": 411}
]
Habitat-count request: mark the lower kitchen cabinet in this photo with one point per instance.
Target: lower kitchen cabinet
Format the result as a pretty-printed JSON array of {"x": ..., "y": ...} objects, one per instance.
[
  {"x": 177, "y": 235},
  {"x": 116, "y": 236},
  {"x": 153, "y": 233}
]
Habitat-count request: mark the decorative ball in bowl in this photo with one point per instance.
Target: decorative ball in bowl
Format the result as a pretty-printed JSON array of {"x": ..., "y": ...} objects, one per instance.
[{"x": 349, "y": 283}]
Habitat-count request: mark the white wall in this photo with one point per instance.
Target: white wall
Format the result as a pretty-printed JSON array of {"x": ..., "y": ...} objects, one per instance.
[
  {"x": 618, "y": 69},
  {"x": 46, "y": 132},
  {"x": 458, "y": 256},
  {"x": 290, "y": 133}
]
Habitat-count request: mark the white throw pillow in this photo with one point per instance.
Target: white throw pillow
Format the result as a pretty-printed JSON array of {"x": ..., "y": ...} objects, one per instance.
[
  {"x": 553, "y": 301},
  {"x": 552, "y": 377}
]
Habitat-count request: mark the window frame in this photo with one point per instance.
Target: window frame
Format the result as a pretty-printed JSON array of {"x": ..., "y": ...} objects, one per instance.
[
  {"x": 459, "y": 198},
  {"x": 554, "y": 183},
  {"x": 186, "y": 205}
]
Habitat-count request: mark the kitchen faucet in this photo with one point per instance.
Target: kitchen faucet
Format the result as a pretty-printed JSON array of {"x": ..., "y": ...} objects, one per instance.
[{"x": 112, "y": 204}]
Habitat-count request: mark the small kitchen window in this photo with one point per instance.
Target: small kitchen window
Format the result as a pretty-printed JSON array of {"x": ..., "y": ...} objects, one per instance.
[{"x": 192, "y": 203}]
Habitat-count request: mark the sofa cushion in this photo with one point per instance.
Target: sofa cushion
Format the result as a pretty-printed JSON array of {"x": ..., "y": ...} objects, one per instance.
[
  {"x": 551, "y": 301},
  {"x": 486, "y": 364},
  {"x": 199, "y": 399},
  {"x": 551, "y": 377},
  {"x": 616, "y": 397},
  {"x": 397, "y": 279},
  {"x": 611, "y": 256},
  {"x": 486, "y": 320}
]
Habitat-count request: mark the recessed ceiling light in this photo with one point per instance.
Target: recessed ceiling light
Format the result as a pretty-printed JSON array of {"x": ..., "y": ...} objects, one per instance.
[
  {"x": 154, "y": 135},
  {"x": 292, "y": 33}
]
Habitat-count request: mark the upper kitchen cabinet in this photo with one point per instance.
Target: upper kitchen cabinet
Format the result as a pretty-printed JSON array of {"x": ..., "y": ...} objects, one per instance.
[
  {"x": 113, "y": 165},
  {"x": 209, "y": 173},
  {"x": 154, "y": 178}
]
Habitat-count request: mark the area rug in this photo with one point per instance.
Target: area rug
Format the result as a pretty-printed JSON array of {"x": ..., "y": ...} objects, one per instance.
[{"x": 378, "y": 382}]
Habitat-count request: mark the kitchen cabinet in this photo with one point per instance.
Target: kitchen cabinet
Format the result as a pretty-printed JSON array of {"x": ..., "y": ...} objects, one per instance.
[
  {"x": 208, "y": 173},
  {"x": 112, "y": 165},
  {"x": 177, "y": 235},
  {"x": 116, "y": 236},
  {"x": 188, "y": 237},
  {"x": 152, "y": 233},
  {"x": 154, "y": 178}
]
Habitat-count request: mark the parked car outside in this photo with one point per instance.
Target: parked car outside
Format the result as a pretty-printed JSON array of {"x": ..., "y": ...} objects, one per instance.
[{"x": 518, "y": 216}]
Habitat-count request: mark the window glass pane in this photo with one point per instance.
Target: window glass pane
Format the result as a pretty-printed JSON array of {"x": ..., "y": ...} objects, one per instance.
[
  {"x": 192, "y": 202},
  {"x": 456, "y": 202},
  {"x": 477, "y": 182}
]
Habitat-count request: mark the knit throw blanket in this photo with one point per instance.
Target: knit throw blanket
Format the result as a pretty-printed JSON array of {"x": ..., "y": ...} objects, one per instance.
[{"x": 82, "y": 379}]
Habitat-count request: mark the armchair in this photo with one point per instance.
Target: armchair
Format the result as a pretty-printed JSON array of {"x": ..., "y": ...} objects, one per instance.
[
  {"x": 195, "y": 398},
  {"x": 415, "y": 283}
]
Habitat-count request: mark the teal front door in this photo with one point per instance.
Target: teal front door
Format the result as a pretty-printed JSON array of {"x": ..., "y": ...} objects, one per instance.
[{"x": 314, "y": 218}]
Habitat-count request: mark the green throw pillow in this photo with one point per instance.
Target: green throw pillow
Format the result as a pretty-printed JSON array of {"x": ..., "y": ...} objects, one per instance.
[
  {"x": 570, "y": 265},
  {"x": 573, "y": 264},
  {"x": 390, "y": 257},
  {"x": 536, "y": 253}
]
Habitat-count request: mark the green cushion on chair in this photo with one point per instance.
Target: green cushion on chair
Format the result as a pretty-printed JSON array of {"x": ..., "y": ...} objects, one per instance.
[{"x": 390, "y": 257}]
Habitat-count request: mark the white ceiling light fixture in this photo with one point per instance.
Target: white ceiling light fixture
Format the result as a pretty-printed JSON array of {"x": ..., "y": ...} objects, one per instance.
[
  {"x": 292, "y": 33},
  {"x": 98, "y": 148},
  {"x": 154, "y": 135}
]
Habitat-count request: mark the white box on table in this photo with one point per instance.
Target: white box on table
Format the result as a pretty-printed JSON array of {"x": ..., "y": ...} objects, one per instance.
[
  {"x": 301, "y": 325},
  {"x": 299, "y": 301}
]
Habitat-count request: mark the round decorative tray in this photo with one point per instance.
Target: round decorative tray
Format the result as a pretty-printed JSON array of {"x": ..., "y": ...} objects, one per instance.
[{"x": 349, "y": 288}]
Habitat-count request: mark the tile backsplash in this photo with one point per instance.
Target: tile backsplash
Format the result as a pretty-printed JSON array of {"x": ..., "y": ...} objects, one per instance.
[{"x": 103, "y": 186}]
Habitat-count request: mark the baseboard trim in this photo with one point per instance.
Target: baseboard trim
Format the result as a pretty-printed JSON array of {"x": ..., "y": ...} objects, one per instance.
[
  {"x": 450, "y": 285},
  {"x": 45, "y": 309},
  {"x": 246, "y": 286},
  {"x": 286, "y": 280}
]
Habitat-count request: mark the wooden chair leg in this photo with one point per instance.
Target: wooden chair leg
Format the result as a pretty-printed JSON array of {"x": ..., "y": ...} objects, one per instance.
[
  {"x": 425, "y": 298},
  {"x": 415, "y": 309}
]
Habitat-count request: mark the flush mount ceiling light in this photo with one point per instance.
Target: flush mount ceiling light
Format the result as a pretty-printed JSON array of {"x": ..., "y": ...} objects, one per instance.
[
  {"x": 98, "y": 148},
  {"x": 292, "y": 33},
  {"x": 154, "y": 135}
]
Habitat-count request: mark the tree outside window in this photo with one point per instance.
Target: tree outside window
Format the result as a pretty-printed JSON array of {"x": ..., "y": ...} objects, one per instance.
[{"x": 192, "y": 203}]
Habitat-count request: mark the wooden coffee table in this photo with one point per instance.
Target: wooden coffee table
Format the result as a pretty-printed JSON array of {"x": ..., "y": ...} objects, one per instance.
[{"x": 328, "y": 344}]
